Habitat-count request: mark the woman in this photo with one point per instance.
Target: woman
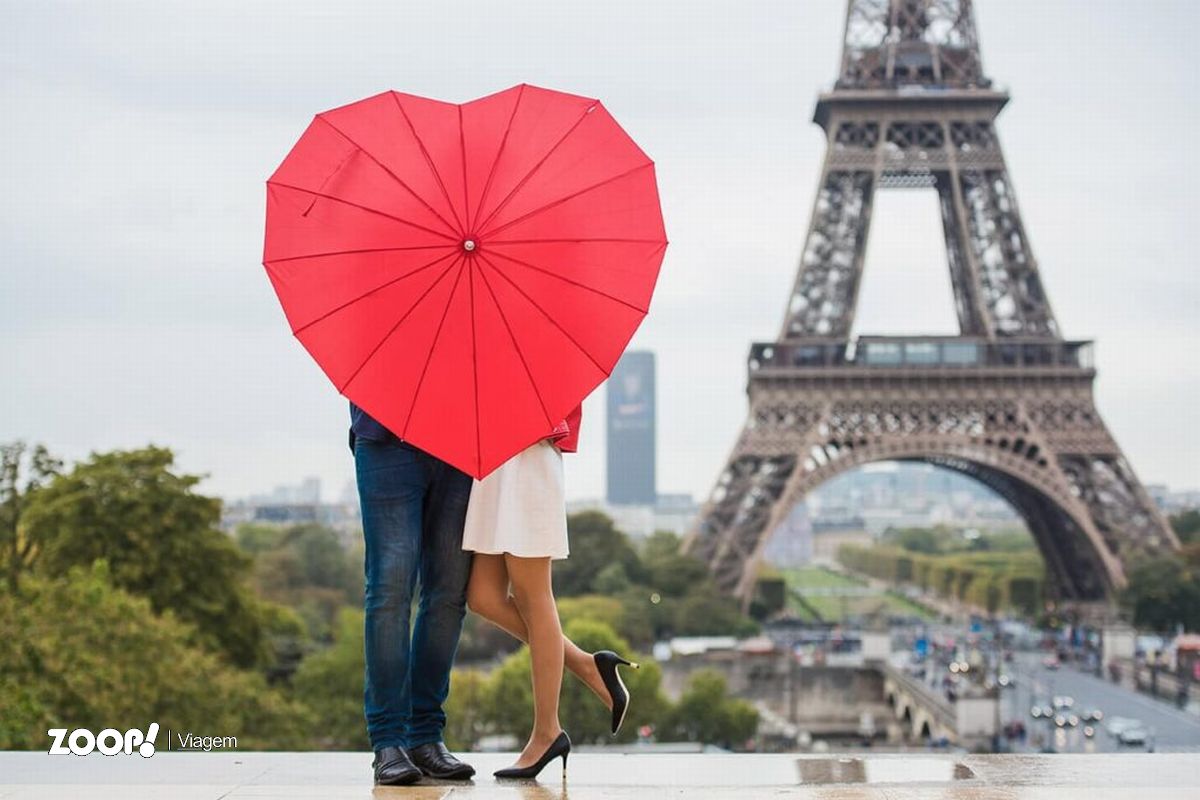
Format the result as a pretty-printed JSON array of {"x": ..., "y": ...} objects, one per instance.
[{"x": 516, "y": 525}]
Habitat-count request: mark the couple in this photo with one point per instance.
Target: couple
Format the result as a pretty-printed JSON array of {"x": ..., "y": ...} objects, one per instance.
[{"x": 484, "y": 544}]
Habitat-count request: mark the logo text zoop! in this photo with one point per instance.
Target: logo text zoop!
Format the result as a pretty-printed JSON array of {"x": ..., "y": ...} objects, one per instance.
[{"x": 109, "y": 741}]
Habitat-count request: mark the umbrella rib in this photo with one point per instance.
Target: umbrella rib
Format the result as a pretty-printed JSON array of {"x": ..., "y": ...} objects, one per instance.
[
  {"x": 428, "y": 160},
  {"x": 353, "y": 252},
  {"x": 538, "y": 165},
  {"x": 492, "y": 242},
  {"x": 384, "y": 167},
  {"x": 475, "y": 368},
  {"x": 503, "y": 142},
  {"x": 562, "y": 200},
  {"x": 368, "y": 209},
  {"x": 399, "y": 322},
  {"x": 517, "y": 347},
  {"x": 551, "y": 319},
  {"x": 370, "y": 292},
  {"x": 437, "y": 335},
  {"x": 462, "y": 152},
  {"x": 564, "y": 279}
]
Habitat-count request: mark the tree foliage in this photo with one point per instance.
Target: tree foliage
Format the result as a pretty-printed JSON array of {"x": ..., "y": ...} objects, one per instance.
[
  {"x": 990, "y": 579},
  {"x": 330, "y": 683},
  {"x": 306, "y": 568},
  {"x": 583, "y": 715},
  {"x": 1187, "y": 525},
  {"x": 81, "y": 652},
  {"x": 160, "y": 540},
  {"x": 706, "y": 713},
  {"x": 1164, "y": 593},
  {"x": 596, "y": 544},
  {"x": 22, "y": 473}
]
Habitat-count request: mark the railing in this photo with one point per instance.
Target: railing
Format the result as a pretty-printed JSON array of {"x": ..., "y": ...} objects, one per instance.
[{"x": 949, "y": 352}]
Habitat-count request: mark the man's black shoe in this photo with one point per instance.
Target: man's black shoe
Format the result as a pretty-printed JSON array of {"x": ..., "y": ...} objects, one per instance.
[
  {"x": 436, "y": 761},
  {"x": 393, "y": 768}
]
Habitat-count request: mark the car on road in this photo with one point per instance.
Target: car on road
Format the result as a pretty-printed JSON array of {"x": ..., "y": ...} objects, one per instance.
[
  {"x": 1092, "y": 715},
  {"x": 1135, "y": 735},
  {"x": 1062, "y": 701},
  {"x": 1118, "y": 724},
  {"x": 1050, "y": 662},
  {"x": 1040, "y": 711}
]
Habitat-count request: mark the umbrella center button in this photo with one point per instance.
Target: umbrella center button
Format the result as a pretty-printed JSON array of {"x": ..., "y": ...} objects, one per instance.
[{"x": 468, "y": 245}]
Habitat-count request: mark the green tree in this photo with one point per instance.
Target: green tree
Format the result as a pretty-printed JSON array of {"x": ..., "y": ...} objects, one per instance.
[
  {"x": 1187, "y": 525},
  {"x": 669, "y": 571},
  {"x": 706, "y": 713},
  {"x": 255, "y": 538},
  {"x": 330, "y": 683},
  {"x": 706, "y": 612},
  {"x": 160, "y": 539},
  {"x": 466, "y": 709},
  {"x": 595, "y": 544},
  {"x": 304, "y": 567},
  {"x": 582, "y": 714},
  {"x": 596, "y": 607},
  {"x": 80, "y": 652},
  {"x": 1163, "y": 593},
  {"x": 917, "y": 540},
  {"x": 21, "y": 476}
]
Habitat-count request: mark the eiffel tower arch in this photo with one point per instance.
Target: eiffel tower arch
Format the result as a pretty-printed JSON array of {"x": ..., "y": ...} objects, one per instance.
[{"x": 1008, "y": 401}]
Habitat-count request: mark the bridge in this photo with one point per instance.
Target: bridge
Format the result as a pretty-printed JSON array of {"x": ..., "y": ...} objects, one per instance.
[
  {"x": 830, "y": 694},
  {"x": 968, "y": 721}
]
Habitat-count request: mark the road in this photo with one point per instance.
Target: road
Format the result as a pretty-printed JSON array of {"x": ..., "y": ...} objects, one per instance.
[{"x": 1173, "y": 729}]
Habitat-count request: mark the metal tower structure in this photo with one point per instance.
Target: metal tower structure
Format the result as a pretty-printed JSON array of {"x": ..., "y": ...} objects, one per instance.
[{"x": 1008, "y": 401}]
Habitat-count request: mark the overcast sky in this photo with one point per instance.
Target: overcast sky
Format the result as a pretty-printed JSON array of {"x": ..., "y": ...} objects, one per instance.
[{"x": 137, "y": 138}]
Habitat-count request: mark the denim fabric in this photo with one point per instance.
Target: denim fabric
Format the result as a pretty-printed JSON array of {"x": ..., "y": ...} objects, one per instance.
[{"x": 413, "y": 509}]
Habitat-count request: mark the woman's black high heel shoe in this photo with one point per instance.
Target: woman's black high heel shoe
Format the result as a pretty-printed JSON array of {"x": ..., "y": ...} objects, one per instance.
[
  {"x": 559, "y": 747},
  {"x": 607, "y": 662}
]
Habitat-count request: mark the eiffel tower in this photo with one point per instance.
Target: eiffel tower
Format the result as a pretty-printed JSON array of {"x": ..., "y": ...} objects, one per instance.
[{"x": 1008, "y": 401}]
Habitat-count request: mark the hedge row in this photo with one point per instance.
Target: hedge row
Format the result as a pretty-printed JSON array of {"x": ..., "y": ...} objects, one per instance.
[{"x": 991, "y": 580}]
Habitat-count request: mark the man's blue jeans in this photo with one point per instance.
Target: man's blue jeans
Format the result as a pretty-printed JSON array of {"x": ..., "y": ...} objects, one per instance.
[{"x": 413, "y": 509}]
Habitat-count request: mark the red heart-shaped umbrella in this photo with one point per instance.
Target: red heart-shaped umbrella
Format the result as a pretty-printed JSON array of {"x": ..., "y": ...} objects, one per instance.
[{"x": 466, "y": 274}]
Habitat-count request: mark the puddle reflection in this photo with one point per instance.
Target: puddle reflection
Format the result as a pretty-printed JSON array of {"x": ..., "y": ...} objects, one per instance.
[{"x": 881, "y": 770}]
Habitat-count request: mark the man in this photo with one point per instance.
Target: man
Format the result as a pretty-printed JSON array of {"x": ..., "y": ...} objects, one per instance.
[{"x": 413, "y": 509}]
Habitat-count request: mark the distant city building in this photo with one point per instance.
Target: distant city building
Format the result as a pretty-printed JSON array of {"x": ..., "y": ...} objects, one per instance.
[
  {"x": 307, "y": 492},
  {"x": 295, "y": 505},
  {"x": 670, "y": 512},
  {"x": 630, "y": 428},
  {"x": 1172, "y": 502},
  {"x": 903, "y": 495}
]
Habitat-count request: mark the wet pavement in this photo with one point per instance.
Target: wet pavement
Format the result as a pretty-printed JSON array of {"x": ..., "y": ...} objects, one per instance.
[{"x": 594, "y": 775}]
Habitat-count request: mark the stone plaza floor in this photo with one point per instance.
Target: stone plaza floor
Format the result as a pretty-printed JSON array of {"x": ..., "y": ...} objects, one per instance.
[{"x": 595, "y": 775}]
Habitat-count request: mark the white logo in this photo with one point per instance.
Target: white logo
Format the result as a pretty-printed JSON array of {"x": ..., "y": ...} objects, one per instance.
[{"x": 109, "y": 741}]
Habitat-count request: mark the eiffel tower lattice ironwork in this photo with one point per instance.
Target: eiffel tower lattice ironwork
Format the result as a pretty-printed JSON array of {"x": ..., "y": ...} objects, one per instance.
[{"x": 1008, "y": 401}]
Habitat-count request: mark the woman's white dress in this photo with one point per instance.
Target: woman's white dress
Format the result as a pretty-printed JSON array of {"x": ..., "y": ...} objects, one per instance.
[{"x": 520, "y": 508}]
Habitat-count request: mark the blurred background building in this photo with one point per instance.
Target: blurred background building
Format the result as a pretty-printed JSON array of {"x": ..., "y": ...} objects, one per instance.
[{"x": 630, "y": 428}]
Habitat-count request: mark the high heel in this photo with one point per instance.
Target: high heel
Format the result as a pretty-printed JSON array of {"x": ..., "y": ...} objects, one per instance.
[
  {"x": 559, "y": 747},
  {"x": 607, "y": 662}
]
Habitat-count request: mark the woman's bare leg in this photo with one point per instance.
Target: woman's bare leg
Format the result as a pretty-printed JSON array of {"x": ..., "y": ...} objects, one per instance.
[
  {"x": 487, "y": 596},
  {"x": 533, "y": 596}
]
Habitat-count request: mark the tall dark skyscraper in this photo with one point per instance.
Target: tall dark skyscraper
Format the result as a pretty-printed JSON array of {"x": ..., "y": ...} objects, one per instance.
[{"x": 631, "y": 451}]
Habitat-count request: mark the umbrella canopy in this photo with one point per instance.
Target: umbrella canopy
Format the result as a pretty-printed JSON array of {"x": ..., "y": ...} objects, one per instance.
[{"x": 466, "y": 274}]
